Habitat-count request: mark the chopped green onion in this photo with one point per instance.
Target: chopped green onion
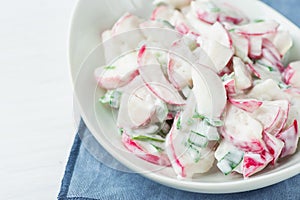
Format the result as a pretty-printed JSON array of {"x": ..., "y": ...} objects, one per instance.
[
  {"x": 230, "y": 161},
  {"x": 231, "y": 30},
  {"x": 178, "y": 124},
  {"x": 111, "y": 97},
  {"x": 211, "y": 122},
  {"x": 146, "y": 138},
  {"x": 159, "y": 149},
  {"x": 283, "y": 85},
  {"x": 258, "y": 20},
  {"x": 215, "y": 9},
  {"x": 110, "y": 67},
  {"x": 197, "y": 139}
]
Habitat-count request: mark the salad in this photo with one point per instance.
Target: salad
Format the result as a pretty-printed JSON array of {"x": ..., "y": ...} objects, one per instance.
[{"x": 219, "y": 93}]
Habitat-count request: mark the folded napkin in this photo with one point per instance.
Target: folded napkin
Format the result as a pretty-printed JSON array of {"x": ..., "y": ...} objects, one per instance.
[{"x": 87, "y": 178}]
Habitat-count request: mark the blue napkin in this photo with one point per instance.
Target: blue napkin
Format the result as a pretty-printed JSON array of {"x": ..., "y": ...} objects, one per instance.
[{"x": 87, "y": 178}]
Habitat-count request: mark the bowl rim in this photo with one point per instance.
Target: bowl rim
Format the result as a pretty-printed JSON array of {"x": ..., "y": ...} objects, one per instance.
[{"x": 234, "y": 186}]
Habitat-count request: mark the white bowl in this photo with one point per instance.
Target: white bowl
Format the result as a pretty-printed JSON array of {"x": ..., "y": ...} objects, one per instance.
[{"x": 90, "y": 18}]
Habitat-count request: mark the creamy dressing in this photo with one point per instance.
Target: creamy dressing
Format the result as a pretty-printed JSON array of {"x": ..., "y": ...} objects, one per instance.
[{"x": 216, "y": 89}]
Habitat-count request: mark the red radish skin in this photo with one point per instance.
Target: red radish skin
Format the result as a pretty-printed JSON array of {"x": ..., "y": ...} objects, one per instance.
[
  {"x": 253, "y": 145},
  {"x": 172, "y": 155},
  {"x": 133, "y": 147},
  {"x": 269, "y": 45},
  {"x": 249, "y": 105},
  {"x": 111, "y": 83},
  {"x": 253, "y": 70},
  {"x": 182, "y": 28},
  {"x": 274, "y": 146},
  {"x": 258, "y": 29},
  {"x": 288, "y": 74},
  {"x": 290, "y": 137},
  {"x": 267, "y": 54},
  {"x": 254, "y": 163},
  {"x": 141, "y": 54},
  {"x": 255, "y": 46},
  {"x": 230, "y": 87}
]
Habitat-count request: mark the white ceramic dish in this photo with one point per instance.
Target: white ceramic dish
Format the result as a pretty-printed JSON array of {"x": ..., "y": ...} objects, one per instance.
[{"x": 90, "y": 18}]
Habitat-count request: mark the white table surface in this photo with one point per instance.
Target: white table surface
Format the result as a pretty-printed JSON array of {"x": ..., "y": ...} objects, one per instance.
[{"x": 36, "y": 114}]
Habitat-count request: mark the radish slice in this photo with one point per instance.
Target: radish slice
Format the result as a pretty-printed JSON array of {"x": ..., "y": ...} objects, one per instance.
[
  {"x": 219, "y": 54},
  {"x": 242, "y": 76},
  {"x": 218, "y": 33},
  {"x": 198, "y": 25},
  {"x": 268, "y": 55},
  {"x": 173, "y": 3},
  {"x": 255, "y": 162},
  {"x": 137, "y": 105},
  {"x": 267, "y": 90},
  {"x": 249, "y": 105},
  {"x": 261, "y": 28},
  {"x": 273, "y": 115},
  {"x": 135, "y": 148},
  {"x": 290, "y": 139},
  {"x": 119, "y": 73},
  {"x": 125, "y": 23},
  {"x": 230, "y": 87},
  {"x": 274, "y": 146},
  {"x": 209, "y": 92},
  {"x": 162, "y": 12},
  {"x": 253, "y": 70},
  {"x": 179, "y": 72},
  {"x": 241, "y": 46},
  {"x": 282, "y": 40},
  {"x": 255, "y": 46},
  {"x": 271, "y": 47},
  {"x": 231, "y": 14},
  {"x": 186, "y": 159},
  {"x": 159, "y": 85},
  {"x": 242, "y": 130},
  {"x": 292, "y": 74},
  {"x": 205, "y": 11}
]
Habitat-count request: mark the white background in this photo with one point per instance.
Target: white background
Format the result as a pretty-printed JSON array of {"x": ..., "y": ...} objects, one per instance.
[{"x": 36, "y": 114}]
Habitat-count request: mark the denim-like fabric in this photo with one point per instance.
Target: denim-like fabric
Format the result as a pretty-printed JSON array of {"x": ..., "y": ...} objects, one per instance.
[{"x": 86, "y": 178}]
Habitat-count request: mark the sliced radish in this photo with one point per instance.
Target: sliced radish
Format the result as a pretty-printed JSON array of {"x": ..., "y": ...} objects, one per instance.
[
  {"x": 205, "y": 11},
  {"x": 173, "y": 3},
  {"x": 268, "y": 55},
  {"x": 242, "y": 76},
  {"x": 119, "y": 73},
  {"x": 218, "y": 33},
  {"x": 255, "y": 46},
  {"x": 282, "y": 40},
  {"x": 255, "y": 162},
  {"x": 292, "y": 74},
  {"x": 137, "y": 105},
  {"x": 274, "y": 146},
  {"x": 200, "y": 26},
  {"x": 261, "y": 28},
  {"x": 219, "y": 54},
  {"x": 159, "y": 85},
  {"x": 231, "y": 14},
  {"x": 242, "y": 130},
  {"x": 126, "y": 23},
  {"x": 179, "y": 72},
  {"x": 266, "y": 43},
  {"x": 209, "y": 92},
  {"x": 253, "y": 70},
  {"x": 186, "y": 159},
  {"x": 230, "y": 87},
  {"x": 267, "y": 90},
  {"x": 241, "y": 46},
  {"x": 290, "y": 137},
  {"x": 249, "y": 105},
  {"x": 266, "y": 71},
  {"x": 273, "y": 115},
  {"x": 135, "y": 148},
  {"x": 162, "y": 12}
]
